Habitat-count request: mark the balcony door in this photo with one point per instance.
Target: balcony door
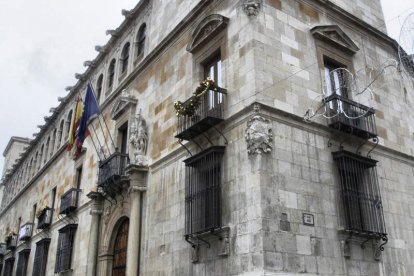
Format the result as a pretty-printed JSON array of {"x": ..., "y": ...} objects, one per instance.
[{"x": 212, "y": 70}]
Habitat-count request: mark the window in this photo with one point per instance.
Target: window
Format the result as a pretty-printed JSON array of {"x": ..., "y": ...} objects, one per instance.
[
  {"x": 52, "y": 147},
  {"x": 65, "y": 248},
  {"x": 336, "y": 79},
  {"x": 8, "y": 267},
  {"x": 212, "y": 70},
  {"x": 360, "y": 194},
  {"x": 111, "y": 73},
  {"x": 125, "y": 58},
  {"x": 99, "y": 88},
  {"x": 68, "y": 121},
  {"x": 21, "y": 268},
  {"x": 60, "y": 133},
  {"x": 123, "y": 138},
  {"x": 78, "y": 177},
  {"x": 141, "y": 39},
  {"x": 40, "y": 258},
  {"x": 120, "y": 250},
  {"x": 46, "y": 150},
  {"x": 203, "y": 191}
]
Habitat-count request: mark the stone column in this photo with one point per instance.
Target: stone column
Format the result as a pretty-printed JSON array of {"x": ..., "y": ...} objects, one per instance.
[
  {"x": 96, "y": 212},
  {"x": 137, "y": 176}
]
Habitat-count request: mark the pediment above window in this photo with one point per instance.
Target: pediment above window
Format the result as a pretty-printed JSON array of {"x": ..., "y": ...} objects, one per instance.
[
  {"x": 207, "y": 29},
  {"x": 123, "y": 104},
  {"x": 334, "y": 35}
]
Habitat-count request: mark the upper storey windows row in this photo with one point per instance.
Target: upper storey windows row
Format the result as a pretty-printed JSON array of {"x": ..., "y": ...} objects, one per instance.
[{"x": 106, "y": 82}]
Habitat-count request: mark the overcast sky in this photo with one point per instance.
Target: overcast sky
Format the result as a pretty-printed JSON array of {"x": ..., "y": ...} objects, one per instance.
[{"x": 43, "y": 43}]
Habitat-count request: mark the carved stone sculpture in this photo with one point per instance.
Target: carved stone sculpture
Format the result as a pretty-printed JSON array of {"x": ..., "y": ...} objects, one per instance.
[
  {"x": 139, "y": 140},
  {"x": 251, "y": 7},
  {"x": 258, "y": 134}
]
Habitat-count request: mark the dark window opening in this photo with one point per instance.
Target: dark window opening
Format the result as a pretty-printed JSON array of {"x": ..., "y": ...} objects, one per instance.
[
  {"x": 120, "y": 250},
  {"x": 65, "y": 248},
  {"x": 111, "y": 73},
  {"x": 213, "y": 70},
  {"x": 22, "y": 262},
  {"x": 360, "y": 194},
  {"x": 8, "y": 267},
  {"x": 99, "y": 85},
  {"x": 125, "y": 58},
  {"x": 336, "y": 79},
  {"x": 203, "y": 191},
  {"x": 40, "y": 259},
  {"x": 141, "y": 39},
  {"x": 123, "y": 138}
]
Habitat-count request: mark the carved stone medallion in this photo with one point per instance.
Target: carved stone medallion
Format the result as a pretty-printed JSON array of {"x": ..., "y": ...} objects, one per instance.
[{"x": 258, "y": 134}]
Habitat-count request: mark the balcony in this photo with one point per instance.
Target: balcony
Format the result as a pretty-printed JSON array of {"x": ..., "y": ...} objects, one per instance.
[
  {"x": 3, "y": 249},
  {"x": 26, "y": 231},
  {"x": 11, "y": 242},
  {"x": 111, "y": 172},
  {"x": 350, "y": 117},
  {"x": 208, "y": 113},
  {"x": 45, "y": 218},
  {"x": 69, "y": 201}
]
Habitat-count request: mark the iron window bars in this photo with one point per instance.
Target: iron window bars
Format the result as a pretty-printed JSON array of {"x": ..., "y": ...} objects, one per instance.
[
  {"x": 69, "y": 201},
  {"x": 25, "y": 231},
  {"x": 203, "y": 191},
  {"x": 350, "y": 117},
  {"x": 360, "y": 194},
  {"x": 65, "y": 248},
  {"x": 209, "y": 113},
  {"x": 22, "y": 262},
  {"x": 45, "y": 219},
  {"x": 40, "y": 258},
  {"x": 8, "y": 267}
]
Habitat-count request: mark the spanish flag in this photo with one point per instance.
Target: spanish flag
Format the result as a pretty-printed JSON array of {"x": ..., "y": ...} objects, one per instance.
[{"x": 76, "y": 117}]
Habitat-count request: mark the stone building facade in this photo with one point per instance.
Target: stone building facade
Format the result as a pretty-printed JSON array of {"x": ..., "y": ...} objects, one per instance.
[{"x": 234, "y": 179}]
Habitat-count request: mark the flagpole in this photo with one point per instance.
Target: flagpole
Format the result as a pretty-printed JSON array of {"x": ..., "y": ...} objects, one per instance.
[
  {"x": 99, "y": 142},
  {"x": 103, "y": 119},
  {"x": 99, "y": 156}
]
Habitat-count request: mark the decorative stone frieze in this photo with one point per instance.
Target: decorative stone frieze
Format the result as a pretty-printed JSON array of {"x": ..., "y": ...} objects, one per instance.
[
  {"x": 125, "y": 102},
  {"x": 335, "y": 36},
  {"x": 258, "y": 134}
]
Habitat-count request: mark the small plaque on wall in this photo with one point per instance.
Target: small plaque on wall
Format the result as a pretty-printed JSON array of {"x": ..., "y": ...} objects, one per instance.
[{"x": 308, "y": 219}]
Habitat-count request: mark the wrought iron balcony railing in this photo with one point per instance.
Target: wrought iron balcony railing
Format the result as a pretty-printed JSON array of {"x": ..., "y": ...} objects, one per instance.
[
  {"x": 45, "y": 218},
  {"x": 209, "y": 113},
  {"x": 11, "y": 242},
  {"x": 69, "y": 201},
  {"x": 360, "y": 194},
  {"x": 111, "y": 172},
  {"x": 350, "y": 117},
  {"x": 3, "y": 249},
  {"x": 26, "y": 231}
]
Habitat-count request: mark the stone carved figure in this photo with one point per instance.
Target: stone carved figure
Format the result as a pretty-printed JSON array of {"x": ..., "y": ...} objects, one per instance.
[
  {"x": 258, "y": 134},
  {"x": 251, "y": 7},
  {"x": 139, "y": 140}
]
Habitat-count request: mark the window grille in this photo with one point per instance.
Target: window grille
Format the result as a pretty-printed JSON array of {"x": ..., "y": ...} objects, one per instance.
[
  {"x": 40, "y": 258},
  {"x": 360, "y": 194},
  {"x": 21, "y": 268},
  {"x": 203, "y": 191},
  {"x": 65, "y": 247},
  {"x": 8, "y": 267},
  {"x": 69, "y": 201},
  {"x": 45, "y": 219}
]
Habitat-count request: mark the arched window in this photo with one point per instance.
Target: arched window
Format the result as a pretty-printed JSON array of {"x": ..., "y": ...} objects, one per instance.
[
  {"x": 68, "y": 120},
  {"x": 141, "y": 39},
  {"x": 30, "y": 170},
  {"x": 52, "y": 146},
  {"x": 35, "y": 162},
  {"x": 125, "y": 58},
  {"x": 99, "y": 88},
  {"x": 46, "y": 154},
  {"x": 120, "y": 250},
  {"x": 111, "y": 73},
  {"x": 60, "y": 133},
  {"x": 39, "y": 160}
]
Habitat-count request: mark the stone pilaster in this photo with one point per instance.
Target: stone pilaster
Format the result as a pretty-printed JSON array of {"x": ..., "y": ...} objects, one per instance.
[
  {"x": 96, "y": 212},
  {"x": 137, "y": 176}
]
